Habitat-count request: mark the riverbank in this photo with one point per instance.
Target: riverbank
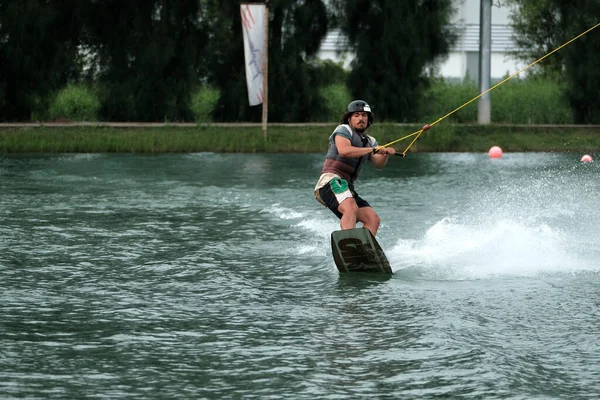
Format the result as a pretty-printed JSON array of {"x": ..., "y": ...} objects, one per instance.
[{"x": 296, "y": 138}]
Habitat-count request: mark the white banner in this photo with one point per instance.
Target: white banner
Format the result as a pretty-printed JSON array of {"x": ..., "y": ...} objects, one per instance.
[{"x": 253, "y": 24}]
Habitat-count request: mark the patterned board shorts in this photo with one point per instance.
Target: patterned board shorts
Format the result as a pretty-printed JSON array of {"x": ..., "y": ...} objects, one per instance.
[{"x": 336, "y": 191}]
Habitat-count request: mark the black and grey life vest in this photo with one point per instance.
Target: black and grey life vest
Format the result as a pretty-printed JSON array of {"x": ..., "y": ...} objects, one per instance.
[{"x": 347, "y": 168}]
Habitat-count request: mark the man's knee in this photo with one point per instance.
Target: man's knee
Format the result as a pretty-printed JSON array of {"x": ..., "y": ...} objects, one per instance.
[
  {"x": 369, "y": 216},
  {"x": 373, "y": 220},
  {"x": 376, "y": 219}
]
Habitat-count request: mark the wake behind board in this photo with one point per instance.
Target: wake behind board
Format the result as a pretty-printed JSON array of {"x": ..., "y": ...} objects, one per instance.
[{"x": 356, "y": 250}]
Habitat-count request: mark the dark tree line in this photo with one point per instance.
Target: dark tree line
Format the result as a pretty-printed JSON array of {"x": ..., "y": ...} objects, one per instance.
[
  {"x": 145, "y": 58},
  {"x": 141, "y": 56},
  {"x": 38, "y": 53}
]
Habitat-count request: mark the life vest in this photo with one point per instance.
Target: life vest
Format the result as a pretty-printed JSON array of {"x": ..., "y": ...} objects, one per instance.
[{"x": 347, "y": 168}]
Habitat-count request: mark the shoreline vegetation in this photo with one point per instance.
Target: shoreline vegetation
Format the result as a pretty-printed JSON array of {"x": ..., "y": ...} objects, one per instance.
[{"x": 98, "y": 137}]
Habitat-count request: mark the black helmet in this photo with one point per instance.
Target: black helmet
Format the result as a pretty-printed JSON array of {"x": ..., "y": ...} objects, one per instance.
[{"x": 358, "y": 106}]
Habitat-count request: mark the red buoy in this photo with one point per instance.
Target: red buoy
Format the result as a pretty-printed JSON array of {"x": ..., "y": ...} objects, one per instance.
[{"x": 495, "y": 152}]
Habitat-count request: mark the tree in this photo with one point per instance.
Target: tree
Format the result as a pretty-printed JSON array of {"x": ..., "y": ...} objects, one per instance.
[
  {"x": 38, "y": 54},
  {"x": 146, "y": 57},
  {"x": 395, "y": 42},
  {"x": 226, "y": 63},
  {"x": 542, "y": 26}
]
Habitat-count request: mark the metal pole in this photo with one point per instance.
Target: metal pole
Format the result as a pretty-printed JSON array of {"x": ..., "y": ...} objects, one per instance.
[
  {"x": 265, "y": 104},
  {"x": 484, "y": 111}
]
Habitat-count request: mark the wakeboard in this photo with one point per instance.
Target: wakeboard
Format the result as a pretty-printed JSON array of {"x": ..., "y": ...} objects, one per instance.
[{"x": 356, "y": 250}]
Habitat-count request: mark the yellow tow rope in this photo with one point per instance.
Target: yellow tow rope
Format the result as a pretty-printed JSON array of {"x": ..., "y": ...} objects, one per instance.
[{"x": 427, "y": 126}]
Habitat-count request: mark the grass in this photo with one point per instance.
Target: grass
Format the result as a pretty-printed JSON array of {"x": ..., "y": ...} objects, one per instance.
[{"x": 444, "y": 137}]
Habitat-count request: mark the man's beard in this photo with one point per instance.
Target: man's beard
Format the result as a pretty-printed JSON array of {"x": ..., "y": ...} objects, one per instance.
[{"x": 360, "y": 130}]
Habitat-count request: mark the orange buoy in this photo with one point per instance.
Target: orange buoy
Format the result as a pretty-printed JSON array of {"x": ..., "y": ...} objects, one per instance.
[
  {"x": 495, "y": 152},
  {"x": 586, "y": 158}
]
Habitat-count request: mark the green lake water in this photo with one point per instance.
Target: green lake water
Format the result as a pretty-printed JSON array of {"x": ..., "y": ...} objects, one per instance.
[{"x": 209, "y": 276}]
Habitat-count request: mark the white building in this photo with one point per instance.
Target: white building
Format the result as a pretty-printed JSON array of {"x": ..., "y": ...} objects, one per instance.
[{"x": 463, "y": 59}]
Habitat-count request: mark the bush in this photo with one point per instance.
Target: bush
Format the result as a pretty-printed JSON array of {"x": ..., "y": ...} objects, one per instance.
[
  {"x": 329, "y": 72},
  {"x": 40, "y": 109},
  {"x": 517, "y": 101},
  {"x": 204, "y": 101},
  {"x": 442, "y": 97},
  {"x": 530, "y": 101},
  {"x": 75, "y": 102},
  {"x": 335, "y": 99}
]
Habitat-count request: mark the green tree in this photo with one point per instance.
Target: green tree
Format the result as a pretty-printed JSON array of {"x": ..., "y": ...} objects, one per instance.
[
  {"x": 544, "y": 25},
  {"x": 538, "y": 27},
  {"x": 38, "y": 53},
  {"x": 296, "y": 30},
  {"x": 226, "y": 65},
  {"x": 395, "y": 42},
  {"x": 146, "y": 56}
]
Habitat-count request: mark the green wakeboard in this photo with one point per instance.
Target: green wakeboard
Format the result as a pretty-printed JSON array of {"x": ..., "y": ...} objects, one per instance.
[{"x": 356, "y": 250}]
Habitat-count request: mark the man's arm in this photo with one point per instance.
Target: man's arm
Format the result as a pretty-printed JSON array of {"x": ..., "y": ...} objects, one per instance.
[
  {"x": 345, "y": 148},
  {"x": 379, "y": 159}
]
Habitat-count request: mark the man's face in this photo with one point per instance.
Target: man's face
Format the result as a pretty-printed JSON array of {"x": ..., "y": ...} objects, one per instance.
[{"x": 359, "y": 120}]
